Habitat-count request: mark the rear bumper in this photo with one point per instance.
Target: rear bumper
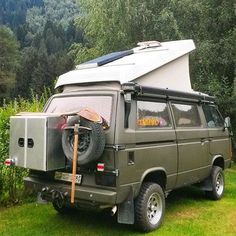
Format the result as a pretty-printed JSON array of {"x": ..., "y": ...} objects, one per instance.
[{"x": 89, "y": 195}]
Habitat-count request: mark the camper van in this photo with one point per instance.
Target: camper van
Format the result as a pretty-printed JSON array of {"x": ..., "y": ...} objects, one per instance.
[{"x": 126, "y": 130}]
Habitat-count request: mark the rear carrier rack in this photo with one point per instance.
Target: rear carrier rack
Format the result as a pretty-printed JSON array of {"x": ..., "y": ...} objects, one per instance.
[{"x": 35, "y": 142}]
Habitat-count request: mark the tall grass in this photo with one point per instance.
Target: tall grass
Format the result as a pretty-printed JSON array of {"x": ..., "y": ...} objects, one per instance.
[{"x": 11, "y": 178}]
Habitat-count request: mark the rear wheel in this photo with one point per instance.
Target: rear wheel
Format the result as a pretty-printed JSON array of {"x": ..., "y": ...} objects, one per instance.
[
  {"x": 217, "y": 182},
  {"x": 149, "y": 207}
]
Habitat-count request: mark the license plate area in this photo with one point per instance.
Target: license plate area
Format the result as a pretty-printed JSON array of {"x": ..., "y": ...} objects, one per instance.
[{"x": 67, "y": 177}]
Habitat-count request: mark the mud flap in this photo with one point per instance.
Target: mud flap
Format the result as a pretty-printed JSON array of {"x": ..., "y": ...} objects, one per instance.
[
  {"x": 206, "y": 185},
  {"x": 126, "y": 210}
]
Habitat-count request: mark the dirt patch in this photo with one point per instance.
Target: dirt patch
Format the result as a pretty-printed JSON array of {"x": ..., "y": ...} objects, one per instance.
[
  {"x": 231, "y": 226},
  {"x": 191, "y": 213}
]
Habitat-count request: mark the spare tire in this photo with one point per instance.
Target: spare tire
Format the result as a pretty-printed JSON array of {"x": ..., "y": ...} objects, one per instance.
[{"x": 91, "y": 142}]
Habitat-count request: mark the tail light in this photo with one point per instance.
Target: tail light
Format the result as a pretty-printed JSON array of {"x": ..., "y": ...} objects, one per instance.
[
  {"x": 9, "y": 162},
  {"x": 100, "y": 167}
]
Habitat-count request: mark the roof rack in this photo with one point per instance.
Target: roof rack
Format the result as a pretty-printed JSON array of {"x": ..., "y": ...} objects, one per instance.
[
  {"x": 165, "y": 93},
  {"x": 149, "y": 44}
]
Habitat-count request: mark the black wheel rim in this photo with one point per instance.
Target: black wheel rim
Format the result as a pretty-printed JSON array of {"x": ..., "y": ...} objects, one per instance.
[{"x": 84, "y": 141}]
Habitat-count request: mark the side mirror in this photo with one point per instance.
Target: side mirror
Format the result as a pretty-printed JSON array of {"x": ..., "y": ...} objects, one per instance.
[{"x": 227, "y": 122}]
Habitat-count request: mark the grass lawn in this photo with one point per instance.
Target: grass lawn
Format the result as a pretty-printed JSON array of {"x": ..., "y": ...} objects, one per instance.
[{"x": 188, "y": 212}]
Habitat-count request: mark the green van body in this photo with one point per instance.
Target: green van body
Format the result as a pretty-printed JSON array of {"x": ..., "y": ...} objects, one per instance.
[{"x": 173, "y": 156}]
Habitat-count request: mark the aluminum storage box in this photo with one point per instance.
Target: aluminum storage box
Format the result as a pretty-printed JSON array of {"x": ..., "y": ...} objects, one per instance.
[{"x": 35, "y": 141}]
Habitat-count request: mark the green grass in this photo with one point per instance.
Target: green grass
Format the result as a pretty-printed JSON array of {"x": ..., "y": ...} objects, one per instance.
[{"x": 187, "y": 213}]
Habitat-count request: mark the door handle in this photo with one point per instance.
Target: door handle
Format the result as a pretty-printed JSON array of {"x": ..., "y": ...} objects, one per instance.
[
  {"x": 21, "y": 142},
  {"x": 30, "y": 143}
]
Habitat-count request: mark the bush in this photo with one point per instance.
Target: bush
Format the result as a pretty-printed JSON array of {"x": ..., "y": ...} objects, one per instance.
[{"x": 11, "y": 178}]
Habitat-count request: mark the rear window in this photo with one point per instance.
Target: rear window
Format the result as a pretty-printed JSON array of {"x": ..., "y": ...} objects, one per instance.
[
  {"x": 186, "y": 115},
  {"x": 101, "y": 104}
]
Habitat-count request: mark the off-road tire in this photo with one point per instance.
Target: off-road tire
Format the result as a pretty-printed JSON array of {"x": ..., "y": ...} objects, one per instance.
[
  {"x": 217, "y": 182},
  {"x": 149, "y": 207},
  {"x": 91, "y": 143}
]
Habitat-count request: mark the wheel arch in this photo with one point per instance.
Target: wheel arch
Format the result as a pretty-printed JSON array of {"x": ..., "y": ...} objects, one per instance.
[
  {"x": 155, "y": 175},
  {"x": 218, "y": 160}
]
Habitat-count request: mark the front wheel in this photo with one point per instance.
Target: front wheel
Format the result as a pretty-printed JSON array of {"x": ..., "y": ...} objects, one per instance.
[
  {"x": 217, "y": 181},
  {"x": 149, "y": 207}
]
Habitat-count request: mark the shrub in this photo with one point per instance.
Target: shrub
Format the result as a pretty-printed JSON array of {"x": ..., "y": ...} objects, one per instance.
[{"x": 11, "y": 178}]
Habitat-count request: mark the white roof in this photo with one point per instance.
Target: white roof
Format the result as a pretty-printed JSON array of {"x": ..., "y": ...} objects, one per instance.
[{"x": 131, "y": 67}]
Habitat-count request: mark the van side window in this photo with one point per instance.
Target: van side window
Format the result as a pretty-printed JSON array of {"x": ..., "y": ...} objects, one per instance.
[
  {"x": 152, "y": 114},
  {"x": 213, "y": 117},
  {"x": 186, "y": 115}
]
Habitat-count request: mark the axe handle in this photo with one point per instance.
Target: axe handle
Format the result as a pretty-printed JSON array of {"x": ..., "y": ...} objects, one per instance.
[{"x": 75, "y": 157}]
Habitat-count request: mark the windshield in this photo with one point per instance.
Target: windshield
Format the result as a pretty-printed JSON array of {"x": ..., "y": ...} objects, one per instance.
[{"x": 101, "y": 104}]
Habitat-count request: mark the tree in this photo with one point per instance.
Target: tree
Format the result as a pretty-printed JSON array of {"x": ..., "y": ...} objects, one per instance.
[
  {"x": 29, "y": 59},
  {"x": 60, "y": 12},
  {"x": 118, "y": 25},
  {"x": 9, "y": 61},
  {"x": 212, "y": 26},
  {"x": 39, "y": 70},
  {"x": 13, "y": 13}
]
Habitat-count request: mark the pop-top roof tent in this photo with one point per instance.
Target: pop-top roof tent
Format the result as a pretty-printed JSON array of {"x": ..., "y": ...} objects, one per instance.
[{"x": 154, "y": 64}]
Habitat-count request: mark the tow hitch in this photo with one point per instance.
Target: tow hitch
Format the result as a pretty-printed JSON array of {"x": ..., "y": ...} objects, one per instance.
[{"x": 58, "y": 198}]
